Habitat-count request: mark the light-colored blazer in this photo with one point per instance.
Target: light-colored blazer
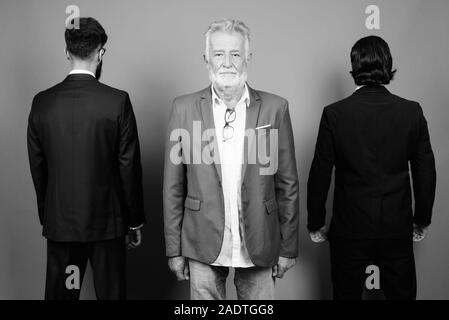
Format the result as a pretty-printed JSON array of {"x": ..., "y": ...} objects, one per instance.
[{"x": 192, "y": 194}]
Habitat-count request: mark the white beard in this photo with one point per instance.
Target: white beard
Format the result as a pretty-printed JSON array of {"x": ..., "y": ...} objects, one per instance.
[{"x": 228, "y": 83}]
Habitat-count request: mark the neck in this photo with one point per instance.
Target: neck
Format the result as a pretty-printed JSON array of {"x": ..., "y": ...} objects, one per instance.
[
  {"x": 230, "y": 95},
  {"x": 84, "y": 65}
]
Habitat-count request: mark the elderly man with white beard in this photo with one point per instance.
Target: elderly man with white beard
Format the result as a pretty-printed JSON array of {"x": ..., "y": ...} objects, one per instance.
[{"x": 230, "y": 213}]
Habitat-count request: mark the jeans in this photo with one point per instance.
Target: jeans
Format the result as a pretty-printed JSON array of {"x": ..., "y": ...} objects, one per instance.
[{"x": 209, "y": 282}]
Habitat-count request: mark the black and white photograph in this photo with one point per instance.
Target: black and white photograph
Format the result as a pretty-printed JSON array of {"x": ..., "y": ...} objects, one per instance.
[{"x": 256, "y": 152}]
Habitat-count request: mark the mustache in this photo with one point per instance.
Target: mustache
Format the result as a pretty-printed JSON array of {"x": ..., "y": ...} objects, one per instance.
[{"x": 227, "y": 71}]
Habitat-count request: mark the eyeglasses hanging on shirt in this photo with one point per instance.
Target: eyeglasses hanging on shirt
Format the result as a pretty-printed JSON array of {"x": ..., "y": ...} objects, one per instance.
[{"x": 228, "y": 130}]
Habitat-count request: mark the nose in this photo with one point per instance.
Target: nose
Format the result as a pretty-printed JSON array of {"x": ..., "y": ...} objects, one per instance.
[{"x": 227, "y": 61}]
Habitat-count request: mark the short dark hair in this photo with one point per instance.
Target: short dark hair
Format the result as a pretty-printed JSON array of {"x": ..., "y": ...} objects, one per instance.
[
  {"x": 82, "y": 41},
  {"x": 371, "y": 62}
]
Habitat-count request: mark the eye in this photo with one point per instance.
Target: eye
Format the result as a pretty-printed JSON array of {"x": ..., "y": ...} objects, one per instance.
[
  {"x": 218, "y": 54},
  {"x": 236, "y": 55}
]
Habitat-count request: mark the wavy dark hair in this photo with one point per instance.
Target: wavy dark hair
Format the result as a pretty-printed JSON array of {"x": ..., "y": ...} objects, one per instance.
[
  {"x": 82, "y": 42},
  {"x": 371, "y": 62}
]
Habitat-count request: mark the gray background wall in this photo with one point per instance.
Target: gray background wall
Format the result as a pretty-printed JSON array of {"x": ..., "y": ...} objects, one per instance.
[{"x": 301, "y": 52}]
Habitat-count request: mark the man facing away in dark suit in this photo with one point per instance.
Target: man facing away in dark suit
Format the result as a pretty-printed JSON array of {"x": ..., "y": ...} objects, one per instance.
[
  {"x": 224, "y": 206},
  {"x": 372, "y": 137},
  {"x": 85, "y": 162}
]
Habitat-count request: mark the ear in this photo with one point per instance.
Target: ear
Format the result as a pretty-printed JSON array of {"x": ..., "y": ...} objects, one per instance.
[
  {"x": 250, "y": 56},
  {"x": 67, "y": 54},
  {"x": 205, "y": 59},
  {"x": 100, "y": 55}
]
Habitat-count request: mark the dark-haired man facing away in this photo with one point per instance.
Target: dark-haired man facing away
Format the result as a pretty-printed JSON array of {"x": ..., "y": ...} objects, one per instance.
[
  {"x": 85, "y": 163},
  {"x": 371, "y": 138}
]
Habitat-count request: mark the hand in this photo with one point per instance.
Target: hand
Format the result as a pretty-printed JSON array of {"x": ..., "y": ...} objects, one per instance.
[
  {"x": 180, "y": 267},
  {"x": 319, "y": 236},
  {"x": 134, "y": 238},
  {"x": 419, "y": 232},
  {"x": 283, "y": 265}
]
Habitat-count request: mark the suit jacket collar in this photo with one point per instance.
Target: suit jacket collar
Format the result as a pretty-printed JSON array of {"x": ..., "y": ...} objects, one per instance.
[
  {"x": 208, "y": 122},
  {"x": 80, "y": 76},
  {"x": 372, "y": 89},
  {"x": 252, "y": 115}
]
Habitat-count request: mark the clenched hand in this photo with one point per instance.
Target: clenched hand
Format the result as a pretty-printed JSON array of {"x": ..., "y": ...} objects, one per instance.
[
  {"x": 180, "y": 267},
  {"x": 282, "y": 266}
]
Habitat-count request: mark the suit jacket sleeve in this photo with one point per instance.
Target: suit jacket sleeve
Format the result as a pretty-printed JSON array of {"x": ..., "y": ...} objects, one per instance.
[
  {"x": 174, "y": 186},
  {"x": 287, "y": 188},
  {"x": 422, "y": 165},
  {"x": 38, "y": 162},
  {"x": 320, "y": 174},
  {"x": 130, "y": 166}
]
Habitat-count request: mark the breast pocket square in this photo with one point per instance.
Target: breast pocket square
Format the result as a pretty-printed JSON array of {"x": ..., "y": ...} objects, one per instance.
[{"x": 263, "y": 127}]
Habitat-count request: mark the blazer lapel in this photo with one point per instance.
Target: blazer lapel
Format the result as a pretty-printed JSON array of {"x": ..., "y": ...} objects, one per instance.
[
  {"x": 252, "y": 116},
  {"x": 208, "y": 122}
]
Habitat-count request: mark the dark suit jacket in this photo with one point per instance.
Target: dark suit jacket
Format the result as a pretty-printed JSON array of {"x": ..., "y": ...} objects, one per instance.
[
  {"x": 85, "y": 161},
  {"x": 370, "y": 138},
  {"x": 193, "y": 197}
]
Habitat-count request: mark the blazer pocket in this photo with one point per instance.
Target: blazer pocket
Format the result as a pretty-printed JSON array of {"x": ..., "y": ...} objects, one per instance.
[
  {"x": 271, "y": 205},
  {"x": 192, "y": 204},
  {"x": 264, "y": 131}
]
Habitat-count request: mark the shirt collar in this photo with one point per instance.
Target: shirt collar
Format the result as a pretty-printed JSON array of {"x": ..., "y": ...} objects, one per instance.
[
  {"x": 358, "y": 87},
  {"x": 82, "y": 71},
  {"x": 245, "y": 97}
]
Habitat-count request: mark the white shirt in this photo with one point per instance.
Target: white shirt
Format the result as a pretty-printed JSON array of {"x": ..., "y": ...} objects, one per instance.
[
  {"x": 233, "y": 251},
  {"x": 78, "y": 71}
]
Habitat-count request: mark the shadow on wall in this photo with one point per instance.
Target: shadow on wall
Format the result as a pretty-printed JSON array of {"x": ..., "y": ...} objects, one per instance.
[
  {"x": 148, "y": 274},
  {"x": 335, "y": 86}
]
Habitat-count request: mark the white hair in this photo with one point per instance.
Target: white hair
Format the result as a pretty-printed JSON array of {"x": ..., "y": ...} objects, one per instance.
[{"x": 228, "y": 25}]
